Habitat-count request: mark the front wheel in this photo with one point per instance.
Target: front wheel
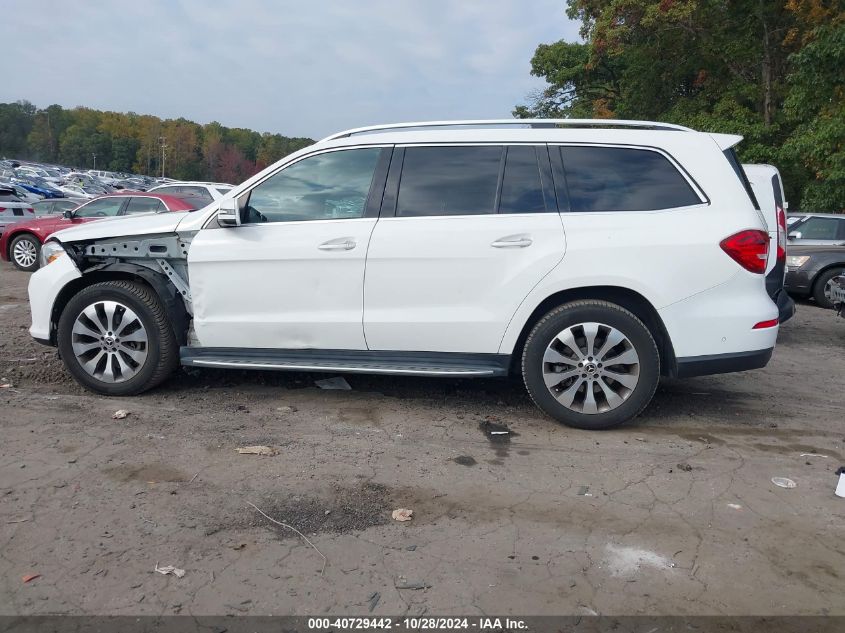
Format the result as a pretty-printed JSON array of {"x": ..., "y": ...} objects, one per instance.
[
  {"x": 23, "y": 251},
  {"x": 115, "y": 338},
  {"x": 823, "y": 287},
  {"x": 591, "y": 364}
]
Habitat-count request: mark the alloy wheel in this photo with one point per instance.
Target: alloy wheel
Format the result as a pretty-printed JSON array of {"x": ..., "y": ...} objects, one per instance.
[
  {"x": 591, "y": 368},
  {"x": 109, "y": 341},
  {"x": 25, "y": 253}
]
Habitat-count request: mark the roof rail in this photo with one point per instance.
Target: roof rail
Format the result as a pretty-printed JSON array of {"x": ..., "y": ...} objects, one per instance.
[{"x": 533, "y": 123}]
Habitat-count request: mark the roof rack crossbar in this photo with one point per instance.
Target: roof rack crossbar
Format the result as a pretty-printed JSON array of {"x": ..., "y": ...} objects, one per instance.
[{"x": 534, "y": 123}]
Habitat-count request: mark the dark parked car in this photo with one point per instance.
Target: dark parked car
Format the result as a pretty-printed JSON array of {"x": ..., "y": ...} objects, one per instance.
[
  {"x": 816, "y": 229},
  {"x": 810, "y": 271}
]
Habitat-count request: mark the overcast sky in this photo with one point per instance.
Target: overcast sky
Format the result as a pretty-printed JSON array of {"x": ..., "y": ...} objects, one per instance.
[{"x": 300, "y": 68}]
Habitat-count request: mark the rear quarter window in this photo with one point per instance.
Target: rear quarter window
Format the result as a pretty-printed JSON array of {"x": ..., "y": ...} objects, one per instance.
[{"x": 623, "y": 179}]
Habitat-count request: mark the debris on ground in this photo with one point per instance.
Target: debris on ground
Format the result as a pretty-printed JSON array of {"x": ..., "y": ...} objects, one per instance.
[
  {"x": 292, "y": 529},
  {"x": 784, "y": 482},
  {"x": 30, "y": 578},
  {"x": 402, "y": 514},
  {"x": 411, "y": 548},
  {"x": 170, "y": 570},
  {"x": 404, "y": 584},
  {"x": 338, "y": 382},
  {"x": 120, "y": 414},
  {"x": 840, "y": 487},
  {"x": 734, "y": 506},
  {"x": 257, "y": 450},
  {"x": 813, "y": 455},
  {"x": 685, "y": 467},
  {"x": 286, "y": 409},
  {"x": 6, "y": 385},
  {"x": 495, "y": 432},
  {"x": 373, "y": 600},
  {"x": 584, "y": 491}
]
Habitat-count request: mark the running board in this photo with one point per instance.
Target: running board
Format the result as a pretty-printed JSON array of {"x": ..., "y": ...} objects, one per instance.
[{"x": 349, "y": 361}]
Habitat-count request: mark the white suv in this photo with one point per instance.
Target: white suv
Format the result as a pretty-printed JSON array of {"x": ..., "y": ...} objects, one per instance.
[
  {"x": 591, "y": 257},
  {"x": 204, "y": 192}
]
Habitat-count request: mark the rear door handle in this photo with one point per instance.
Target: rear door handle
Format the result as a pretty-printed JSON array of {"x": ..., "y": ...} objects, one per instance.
[
  {"x": 512, "y": 241},
  {"x": 340, "y": 244}
]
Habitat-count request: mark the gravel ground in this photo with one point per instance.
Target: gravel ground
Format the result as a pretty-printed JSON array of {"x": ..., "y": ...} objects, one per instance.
[{"x": 674, "y": 513}]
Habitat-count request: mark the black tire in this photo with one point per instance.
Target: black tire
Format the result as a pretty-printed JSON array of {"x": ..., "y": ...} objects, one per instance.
[
  {"x": 608, "y": 314},
  {"x": 33, "y": 242},
  {"x": 819, "y": 285},
  {"x": 162, "y": 349}
]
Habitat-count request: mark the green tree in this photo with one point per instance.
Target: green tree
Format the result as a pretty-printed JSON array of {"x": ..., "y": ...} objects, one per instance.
[{"x": 740, "y": 66}]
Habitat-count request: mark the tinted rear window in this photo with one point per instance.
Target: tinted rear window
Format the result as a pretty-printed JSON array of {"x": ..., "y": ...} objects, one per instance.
[
  {"x": 522, "y": 191},
  {"x": 142, "y": 204},
  {"x": 449, "y": 181},
  {"x": 622, "y": 179}
]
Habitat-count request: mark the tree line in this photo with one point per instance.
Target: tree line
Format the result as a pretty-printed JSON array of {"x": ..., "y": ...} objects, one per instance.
[
  {"x": 771, "y": 70},
  {"x": 129, "y": 142}
]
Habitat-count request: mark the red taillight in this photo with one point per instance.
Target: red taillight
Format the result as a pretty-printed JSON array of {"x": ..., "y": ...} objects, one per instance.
[
  {"x": 2, "y": 208},
  {"x": 31, "y": 210},
  {"x": 749, "y": 249},
  {"x": 764, "y": 324},
  {"x": 781, "y": 235}
]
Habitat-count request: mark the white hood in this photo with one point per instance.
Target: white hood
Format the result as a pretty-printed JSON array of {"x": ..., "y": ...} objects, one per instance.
[{"x": 124, "y": 226}]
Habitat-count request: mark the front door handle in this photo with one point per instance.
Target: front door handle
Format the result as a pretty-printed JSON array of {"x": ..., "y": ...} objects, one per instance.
[
  {"x": 340, "y": 244},
  {"x": 512, "y": 241}
]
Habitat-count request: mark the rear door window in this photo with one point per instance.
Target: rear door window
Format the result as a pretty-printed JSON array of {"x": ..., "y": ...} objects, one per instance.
[
  {"x": 449, "y": 181},
  {"x": 143, "y": 204},
  {"x": 623, "y": 179},
  {"x": 104, "y": 207}
]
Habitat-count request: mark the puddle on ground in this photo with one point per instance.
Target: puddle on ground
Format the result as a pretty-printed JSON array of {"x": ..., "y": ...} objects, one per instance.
[{"x": 499, "y": 436}]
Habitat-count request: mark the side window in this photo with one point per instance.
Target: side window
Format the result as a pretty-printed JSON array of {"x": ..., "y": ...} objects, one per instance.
[
  {"x": 449, "y": 181},
  {"x": 328, "y": 186},
  {"x": 621, "y": 179},
  {"x": 522, "y": 191},
  {"x": 101, "y": 208},
  {"x": 819, "y": 229},
  {"x": 141, "y": 204}
]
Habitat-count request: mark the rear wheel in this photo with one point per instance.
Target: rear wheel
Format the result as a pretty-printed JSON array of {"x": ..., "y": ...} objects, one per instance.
[
  {"x": 115, "y": 338},
  {"x": 823, "y": 286},
  {"x": 591, "y": 364},
  {"x": 23, "y": 251}
]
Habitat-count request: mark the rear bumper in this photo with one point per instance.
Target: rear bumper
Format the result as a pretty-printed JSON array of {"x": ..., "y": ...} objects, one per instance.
[
  {"x": 723, "y": 363},
  {"x": 785, "y": 304}
]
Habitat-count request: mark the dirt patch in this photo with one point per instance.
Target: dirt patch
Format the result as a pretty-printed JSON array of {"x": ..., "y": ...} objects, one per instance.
[
  {"x": 145, "y": 472},
  {"x": 340, "y": 510},
  {"x": 465, "y": 460}
]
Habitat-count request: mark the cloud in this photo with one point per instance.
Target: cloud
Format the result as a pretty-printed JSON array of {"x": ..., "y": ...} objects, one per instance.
[{"x": 299, "y": 68}]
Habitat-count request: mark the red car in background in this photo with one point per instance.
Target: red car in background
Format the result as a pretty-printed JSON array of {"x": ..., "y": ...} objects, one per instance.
[{"x": 21, "y": 242}]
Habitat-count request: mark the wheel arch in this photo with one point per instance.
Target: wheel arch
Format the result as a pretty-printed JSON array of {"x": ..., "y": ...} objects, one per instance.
[
  {"x": 158, "y": 282},
  {"x": 822, "y": 271},
  {"x": 629, "y": 299}
]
